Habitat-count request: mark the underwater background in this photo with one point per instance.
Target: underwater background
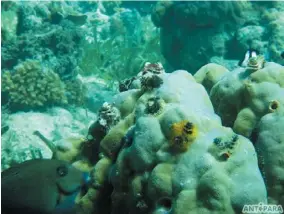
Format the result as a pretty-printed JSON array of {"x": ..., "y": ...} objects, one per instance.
[{"x": 166, "y": 106}]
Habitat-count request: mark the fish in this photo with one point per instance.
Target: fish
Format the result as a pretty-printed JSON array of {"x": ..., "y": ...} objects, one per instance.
[
  {"x": 282, "y": 54},
  {"x": 45, "y": 186},
  {"x": 249, "y": 54}
]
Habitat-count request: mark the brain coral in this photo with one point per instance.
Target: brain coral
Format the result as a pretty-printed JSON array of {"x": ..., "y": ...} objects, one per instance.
[
  {"x": 139, "y": 170},
  {"x": 28, "y": 86}
]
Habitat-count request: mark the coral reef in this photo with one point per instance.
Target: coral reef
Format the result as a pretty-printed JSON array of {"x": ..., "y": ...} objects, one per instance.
[
  {"x": 243, "y": 96},
  {"x": 270, "y": 149},
  {"x": 56, "y": 46},
  {"x": 250, "y": 99},
  {"x": 196, "y": 33},
  {"x": 29, "y": 86},
  {"x": 206, "y": 138},
  {"x": 191, "y": 35},
  {"x": 209, "y": 74},
  {"x": 111, "y": 7},
  {"x": 275, "y": 30},
  {"x": 168, "y": 148}
]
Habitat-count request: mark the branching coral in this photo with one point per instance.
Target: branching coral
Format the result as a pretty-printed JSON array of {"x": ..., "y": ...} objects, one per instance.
[{"x": 28, "y": 87}]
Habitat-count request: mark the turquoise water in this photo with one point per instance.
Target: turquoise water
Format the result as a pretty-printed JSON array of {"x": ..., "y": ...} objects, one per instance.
[{"x": 167, "y": 106}]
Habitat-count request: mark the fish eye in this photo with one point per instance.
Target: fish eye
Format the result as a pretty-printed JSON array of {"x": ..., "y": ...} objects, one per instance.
[{"x": 62, "y": 171}]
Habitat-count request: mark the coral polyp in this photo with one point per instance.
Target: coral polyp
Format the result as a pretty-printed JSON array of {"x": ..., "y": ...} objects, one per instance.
[{"x": 183, "y": 135}]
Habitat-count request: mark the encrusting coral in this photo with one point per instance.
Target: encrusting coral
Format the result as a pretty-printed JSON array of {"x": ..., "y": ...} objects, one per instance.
[{"x": 29, "y": 86}]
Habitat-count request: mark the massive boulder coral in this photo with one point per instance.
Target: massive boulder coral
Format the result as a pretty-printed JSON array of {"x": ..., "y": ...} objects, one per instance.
[
  {"x": 251, "y": 101},
  {"x": 209, "y": 74},
  {"x": 270, "y": 149},
  {"x": 243, "y": 96},
  {"x": 169, "y": 153}
]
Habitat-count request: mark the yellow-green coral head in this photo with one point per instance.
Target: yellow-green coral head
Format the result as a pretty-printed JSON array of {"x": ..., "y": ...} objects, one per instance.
[{"x": 183, "y": 135}]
